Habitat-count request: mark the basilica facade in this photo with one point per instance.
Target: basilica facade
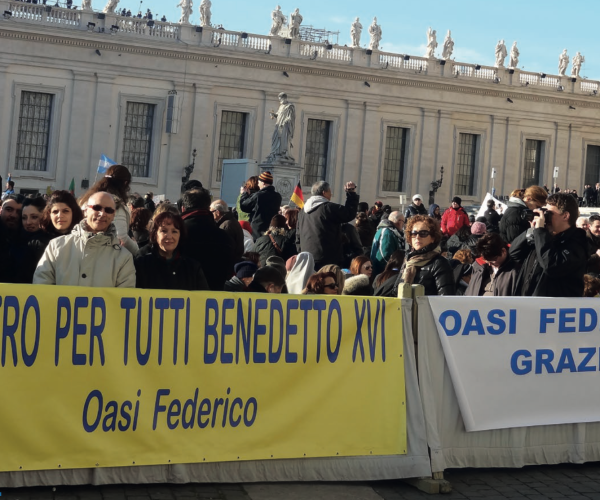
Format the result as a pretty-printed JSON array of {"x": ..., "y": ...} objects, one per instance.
[{"x": 76, "y": 85}]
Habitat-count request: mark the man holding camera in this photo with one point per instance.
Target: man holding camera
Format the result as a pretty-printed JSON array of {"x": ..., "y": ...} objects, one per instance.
[
  {"x": 319, "y": 229},
  {"x": 553, "y": 252}
]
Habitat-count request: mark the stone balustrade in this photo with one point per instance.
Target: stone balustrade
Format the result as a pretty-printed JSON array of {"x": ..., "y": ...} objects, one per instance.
[{"x": 75, "y": 19}]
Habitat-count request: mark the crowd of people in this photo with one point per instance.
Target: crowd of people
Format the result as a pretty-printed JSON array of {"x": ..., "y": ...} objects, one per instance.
[{"x": 110, "y": 237}]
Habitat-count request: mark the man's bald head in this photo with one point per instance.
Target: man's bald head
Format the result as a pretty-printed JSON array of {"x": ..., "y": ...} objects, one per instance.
[
  {"x": 97, "y": 218},
  {"x": 218, "y": 208}
]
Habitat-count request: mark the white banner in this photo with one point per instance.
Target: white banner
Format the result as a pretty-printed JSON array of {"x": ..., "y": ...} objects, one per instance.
[
  {"x": 500, "y": 207},
  {"x": 518, "y": 362}
]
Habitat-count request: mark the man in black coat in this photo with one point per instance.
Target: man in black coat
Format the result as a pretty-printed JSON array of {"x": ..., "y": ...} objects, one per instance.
[
  {"x": 319, "y": 229},
  {"x": 553, "y": 253},
  {"x": 205, "y": 242},
  {"x": 262, "y": 205},
  {"x": 149, "y": 202}
]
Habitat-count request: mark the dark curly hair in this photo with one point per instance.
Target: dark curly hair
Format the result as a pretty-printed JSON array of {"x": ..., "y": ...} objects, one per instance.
[
  {"x": 433, "y": 227},
  {"x": 140, "y": 217},
  {"x": 61, "y": 196}
]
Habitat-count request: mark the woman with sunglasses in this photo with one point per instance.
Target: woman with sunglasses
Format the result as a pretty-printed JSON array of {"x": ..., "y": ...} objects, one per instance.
[
  {"x": 117, "y": 182},
  {"x": 424, "y": 263},
  {"x": 321, "y": 284},
  {"x": 362, "y": 265}
]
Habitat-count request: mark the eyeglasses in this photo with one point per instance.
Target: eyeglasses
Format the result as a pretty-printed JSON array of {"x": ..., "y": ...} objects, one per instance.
[
  {"x": 332, "y": 286},
  {"x": 100, "y": 208},
  {"x": 421, "y": 234}
]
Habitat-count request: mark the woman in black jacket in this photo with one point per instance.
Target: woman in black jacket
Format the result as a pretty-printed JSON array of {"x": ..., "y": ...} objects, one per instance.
[
  {"x": 514, "y": 221},
  {"x": 424, "y": 263},
  {"x": 276, "y": 241},
  {"x": 164, "y": 267}
]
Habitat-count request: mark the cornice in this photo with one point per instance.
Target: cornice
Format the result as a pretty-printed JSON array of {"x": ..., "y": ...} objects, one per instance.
[{"x": 248, "y": 60}]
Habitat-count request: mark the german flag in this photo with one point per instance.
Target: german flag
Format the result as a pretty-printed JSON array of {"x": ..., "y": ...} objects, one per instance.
[{"x": 298, "y": 197}]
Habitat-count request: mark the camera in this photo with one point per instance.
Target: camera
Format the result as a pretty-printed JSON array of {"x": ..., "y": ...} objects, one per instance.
[{"x": 529, "y": 215}]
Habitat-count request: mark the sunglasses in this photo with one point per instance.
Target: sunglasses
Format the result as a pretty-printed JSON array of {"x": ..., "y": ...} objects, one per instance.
[
  {"x": 100, "y": 208},
  {"x": 421, "y": 234},
  {"x": 332, "y": 286},
  {"x": 368, "y": 268}
]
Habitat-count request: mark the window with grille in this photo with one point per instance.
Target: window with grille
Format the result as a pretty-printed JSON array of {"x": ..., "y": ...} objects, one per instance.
[
  {"x": 533, "y": 157},
  {"x": 34, "y": 131},
  {"x": 137, "y": 138},
  {"x": 231, "y": 138},
  {"x": 465, "y": 164},
  {"x": 393, "y": 163},
  {"x": 317, "y": 151},
  {"x": 592, "y": 165}
]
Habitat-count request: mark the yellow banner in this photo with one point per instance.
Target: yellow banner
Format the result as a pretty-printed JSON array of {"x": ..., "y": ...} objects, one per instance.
[{"x": 95, "y": 377}]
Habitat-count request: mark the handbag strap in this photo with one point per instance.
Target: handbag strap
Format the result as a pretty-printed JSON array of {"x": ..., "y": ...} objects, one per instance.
[{"x": 277, "y": 247}]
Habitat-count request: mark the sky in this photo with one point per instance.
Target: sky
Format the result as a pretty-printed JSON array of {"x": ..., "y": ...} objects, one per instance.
[{"x": 542, "y": 28}]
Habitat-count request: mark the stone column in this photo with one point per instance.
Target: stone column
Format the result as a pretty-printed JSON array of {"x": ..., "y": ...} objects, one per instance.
[
  {"x": 559, "y": 157},
  {"x": 352, "y": 145},
  {"x": 426, "y": 170},
  {"x": 202, "y": 129},
  {"x": 509, "y": 177},
  {"x": 443, "y": 156},
  {"x": 104, "y": 138},
  {"x": 575, "y": 167},
  {"x": 497, "y": 155},
  {"x": 369, "y": 146},
  {"x": 6, "y": 125},
  {"x": 78, "y": 159}
]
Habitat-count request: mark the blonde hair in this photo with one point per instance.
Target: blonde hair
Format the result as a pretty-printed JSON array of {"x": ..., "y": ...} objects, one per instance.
[{"x": 517, "y": 193}]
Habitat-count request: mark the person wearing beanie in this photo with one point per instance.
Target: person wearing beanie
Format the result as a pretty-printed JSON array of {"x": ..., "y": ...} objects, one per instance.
[
  {"x": 262, "y": 205},
  {"x": 244, "y": 271},
  {"x": 416, "y": 208},
  {"x": 454, "y": 217},
  {"x": 478, "y": 229},
  {"x": 275, "y": 242},
  {"x": 376, "y": 214},
  {"x": 267, "y": 280},
  {"x": 278, "y": 263},
  {"x": 492, "y": 218}
]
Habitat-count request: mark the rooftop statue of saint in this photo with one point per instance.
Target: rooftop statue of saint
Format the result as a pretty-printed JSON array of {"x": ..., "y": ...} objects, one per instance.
[
  {"x": 186, "y": 11},
  {"x": 278, "y": 21},
  {"x": 110, "y": 6},
  {"x": 501, "y": 54},
  {"x": 448, "y": 47},
  {"x": 205, "y": 13},
  {"x": 281, "y": 144},
  {"x": 86, "y": 5},
  {"x": 294, "y": 24},
  {"x": 355, "y": 32},
  {"x": 563, "y": 62},
  {"x": 375, "y": 33},
  {"x": 514, "y": 56},
  {"x": 578, "y": 60},
  {"x": 431, "y": 43}
]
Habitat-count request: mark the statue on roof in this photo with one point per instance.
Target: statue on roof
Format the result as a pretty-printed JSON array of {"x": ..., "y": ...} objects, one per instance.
[
  {"x": 375, "y": 33},
  {"x": 431, "y": 43},
  {"x": 205, "y": 13},
  {"x": 278, "y": 21},
  {"x": 448, "y": 47},
  {"x": 355, "y": 32},
  {"x": 501, "y": 54},
  {"x": 514, "y": 56},
  {"x": 111, "y": 6},
  {"x": 294, "y": 24},
  {"x": 86, "y": 5},
  {"x": 186, "y": 11},
  {"x": 578, "y": 60}
]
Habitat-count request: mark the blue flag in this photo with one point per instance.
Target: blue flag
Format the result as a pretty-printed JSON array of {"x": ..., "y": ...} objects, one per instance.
[{"x": 104, "y": 164}]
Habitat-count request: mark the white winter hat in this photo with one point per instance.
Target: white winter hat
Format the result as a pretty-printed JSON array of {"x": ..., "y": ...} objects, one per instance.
[{"x": 417, "y": 197}]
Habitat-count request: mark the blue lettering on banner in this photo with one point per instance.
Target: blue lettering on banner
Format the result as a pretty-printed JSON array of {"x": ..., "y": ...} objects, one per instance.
[
  {"x": 547, "y": 361},
  {"x": 495, "y": 323}
]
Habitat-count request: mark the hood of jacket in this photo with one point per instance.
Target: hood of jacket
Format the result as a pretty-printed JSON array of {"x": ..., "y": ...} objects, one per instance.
[
  {"x": 357, "y": 285},
  {"x": 314, "y": 202},
  {"x": 385, "y": 223},
  {"x": 513, "y": 201},
  {"x": 109, "y": 237},
  {"x": 432, "y": 209}
]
